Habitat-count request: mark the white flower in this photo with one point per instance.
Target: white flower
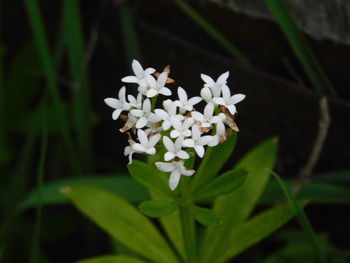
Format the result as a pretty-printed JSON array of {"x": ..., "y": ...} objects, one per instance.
[
  {"x": 217, "y": 85},
  {"x": 182, "y": 128},
  {"x": 197, "y": 141},
  {"x": 140, "y": 73},
  {"x": 118, "y": 104},
  {"x": 135, "y": 102},
  {"x": 177, "y": 169},
  {"x": 145, "y": 115},
  {"x": 146, "y": 144},
  {"x": 128, "y": 150},
  {"x": 207, "y": 119},
  {"x": 155, "y": 87},
  {"x": 167, "y": 115},
  {"x": 174, "y": 149},
  {"x": 228, "y": 101},
  {"x": 130, "y": 123},
  {"x": 184, "y": 103},
  {"x": 220, "y": 136}
]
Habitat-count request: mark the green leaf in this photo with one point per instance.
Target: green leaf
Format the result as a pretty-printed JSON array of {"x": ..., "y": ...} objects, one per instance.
[
  {"x": 204, "y": 216},
  {"x": 149, "y": 176},
  {"x": 213, "y": 160},
  {"x": 156, "y": 209},
  {"x": 224, "y": 184},
  {"x": 303, "y": 220},
  {"x": 122, "y": 221},
  {"x": 252, "y": 232},
  {"x": 112, "y": 259},
  {"x": 237, "y": 206},
  {"x": 300, "y": 47},
  {"x": 120, "y": 184}
]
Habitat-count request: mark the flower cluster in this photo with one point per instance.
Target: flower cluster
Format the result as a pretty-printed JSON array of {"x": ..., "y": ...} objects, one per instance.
[{"x": 177, "y": 126}]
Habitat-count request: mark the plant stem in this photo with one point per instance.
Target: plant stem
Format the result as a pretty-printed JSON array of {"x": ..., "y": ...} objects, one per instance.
[{"x": 188, "y": 233}]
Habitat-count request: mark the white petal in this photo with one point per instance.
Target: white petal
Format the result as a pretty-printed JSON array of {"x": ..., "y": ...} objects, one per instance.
[
  {"x": 175, "y": 134},
  {"x": 187, "y": 123},
  {"x": 127, "y": 150},
  {"x": 137, "y": 113},
  {"x": 142, "y": 122},
  {"x": 116, "y": 114},
  {"x": 146, "y": 105},
  {"x": 151, "y": 93},
  {"x": 168, "y": 143},
  {"x": 219, "y": 101},
  {"x": 165, "y": 91},
  {"x": 187, "y": 172},
  {"x": 178, "y": 144},
  {"x": 220, "y": 128},
  {"x": 138, "y": 147},
  {"x": 232, "y": 109},
  {"x": 121, "y": 95},
  {"x": 150, "y": 70},
  {"x": 169, "y": 156},
  {"x": 151, "y": 150},
  {"x": 176, "y": 123},
  {"x": 151, "y": 81},
  {"x": 130, "y": 79},
  {"x": 153, "y": 140},
  {"x": 174, "y": 179},
  {"x": 226, "y": 93},
  {"x": 209, "y": 110},
  {"x": 172, "y": 108},
  {"x": 215, "y": 119},
  {"x": 113, "y": 103},
  {"x": 162, "y": 114},
  {"x": 197, "y": 116},
  {"x": 153, "y": 118},
  {"x": 214, "y": 141},
  {"x": 208, "y": 80},
  {"x": 188, "y": 143},
  {"x": 204, "y": 140},
  {"x": 186, "y": 133},
  {"x": 137, "y": 68},
  {"x": 237, "y": 98},
  {"x": 165, "y": 167},
  {"x": 166, "y": 125},
  {"x": 196, "y": 134},
  {"x": 183, "y": 155},
  {"x": 162, "y": 78},
  {"x": 206, "y": 94},
  {"x": 142, "y": 136},
  {"x": 182, "y": 95},
  {"x": 222, "y": 79},
  {"x": 194, "y": 100},
  {"x": 199, "y": 150},
  {"x": 132, "y": 99}
]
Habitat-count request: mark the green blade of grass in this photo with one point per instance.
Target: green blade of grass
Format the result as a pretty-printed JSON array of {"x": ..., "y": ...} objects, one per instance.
[
  {"x": 213, "y": 32},
  {"x": 303, "y": 220},
  {"x": 313, "y": 70},
  {"x": 74, "y": 41},
  {"x": 48, "y": 66},
  {"x": 131, "y": 42},
  {"x": 40, "y": 181}
]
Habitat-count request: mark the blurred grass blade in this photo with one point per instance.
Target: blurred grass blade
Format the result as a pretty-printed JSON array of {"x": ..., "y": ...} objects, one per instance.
[
  {"x": 48, "y": 66},
  {"x": 213, "y": 32},
  {"x": 112, "y": 259},
  {"x": 122, "y": 221},
  {"x": 303, "y": 220},
  {"x": 74, "y": 41},
  {"x": 40, "y": 181},
  {"x": 313, "y": 70},
  {"x": 238, "y": 205},
  {"x": 120, "y": 184},
  {"x": 131, "y": 42}
]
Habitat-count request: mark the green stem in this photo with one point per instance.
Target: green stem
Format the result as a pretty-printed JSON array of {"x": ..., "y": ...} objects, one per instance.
[{"x": 189, "y": 234}]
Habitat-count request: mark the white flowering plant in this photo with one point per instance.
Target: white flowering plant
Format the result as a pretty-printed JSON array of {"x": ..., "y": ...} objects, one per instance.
[{"x": 187, "y": 140}]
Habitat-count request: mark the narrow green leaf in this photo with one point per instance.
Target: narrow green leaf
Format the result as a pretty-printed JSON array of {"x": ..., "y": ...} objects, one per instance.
[
  {"x": 213, "y": 32},
  {"x": 300, "y": 47},
  {"x": 213, "y": 160},
  {"x": 112, "y": 259},
  {"x": 205, "y": 216},
  {"x": 224, "y": 184},
  {"x": 74, "y": 41},
  {"x": 122, "y": 221},
  {"x": 45, "y": 57},
  {"x": 237, "y": 206},
  {"x": 120, "y": 184},
  {"x": 303, "y": 220},
  {"x": 155, "y": 208},
  {"x": 148, "y": 175},
  {"x": 252, "y": 232}
]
